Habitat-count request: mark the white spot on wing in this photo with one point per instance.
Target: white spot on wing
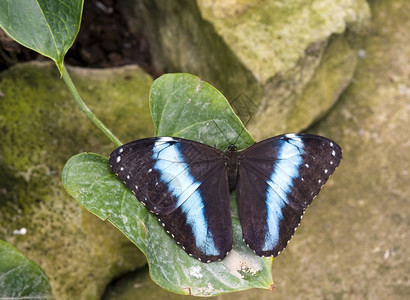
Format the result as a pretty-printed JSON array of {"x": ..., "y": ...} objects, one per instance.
[
  {"x": 165, "y": 139},
  {"x": 293, "y": 136},
  {"x": 118, "y": 159}
]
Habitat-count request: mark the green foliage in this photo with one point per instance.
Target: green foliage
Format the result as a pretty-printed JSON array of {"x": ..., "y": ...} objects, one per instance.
[
  {"x": 183, "y": 106},
  {"x": 48, "y": 27},
  {"x": 20, "y": 278}
]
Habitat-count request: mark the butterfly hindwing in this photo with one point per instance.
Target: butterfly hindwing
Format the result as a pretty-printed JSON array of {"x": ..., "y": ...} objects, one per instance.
[
  {"x": 185, "y": 184},
  {"x": 278, "y": 178}
]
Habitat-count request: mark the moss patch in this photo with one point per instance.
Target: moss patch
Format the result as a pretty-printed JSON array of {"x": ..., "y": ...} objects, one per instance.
[{"x": 41, "y": 129}]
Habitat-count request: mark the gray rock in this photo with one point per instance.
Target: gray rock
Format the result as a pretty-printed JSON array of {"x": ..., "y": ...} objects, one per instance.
[
  {"x": 293, "y": 58},
  {"x": 353, "y": 242}
]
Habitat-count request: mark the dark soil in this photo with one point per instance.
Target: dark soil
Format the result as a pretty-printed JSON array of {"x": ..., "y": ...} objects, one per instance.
[{"x": 104, "y": 41}]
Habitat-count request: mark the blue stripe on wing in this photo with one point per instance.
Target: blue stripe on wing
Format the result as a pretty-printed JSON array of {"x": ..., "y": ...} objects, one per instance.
[
  {"x": 176, "y": 174},
  {"x": 280, "y": 185}
]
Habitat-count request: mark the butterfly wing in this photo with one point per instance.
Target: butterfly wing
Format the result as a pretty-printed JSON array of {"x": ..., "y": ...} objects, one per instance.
[
  {"x": 185, "y": 184},
  {"x": 278, "y": 179}
]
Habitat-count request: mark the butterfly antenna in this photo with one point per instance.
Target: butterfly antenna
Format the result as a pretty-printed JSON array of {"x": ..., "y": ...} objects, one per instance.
[
  {"x": 226, "y": 138},
  {"x": 244, "y": 108},
  {"x": 243, "y": 128}
]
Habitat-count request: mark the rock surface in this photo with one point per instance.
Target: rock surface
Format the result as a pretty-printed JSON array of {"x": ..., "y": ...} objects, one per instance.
[
  {"x": 41, "y": 129},
  {"x": 292, "y": 58},
  {"x": 353, "y": 242}
]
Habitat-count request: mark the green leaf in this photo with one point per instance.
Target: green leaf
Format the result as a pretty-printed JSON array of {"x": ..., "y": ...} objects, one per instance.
[
  {"x": 20, "y": 278},
  {"x": 90, "y": 180},
  {"x": 46, "y": 26},
  {"x": 183, "y": 105}
]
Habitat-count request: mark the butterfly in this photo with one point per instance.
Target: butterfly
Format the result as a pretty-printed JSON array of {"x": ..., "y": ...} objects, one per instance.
[{"x": 186, "y": 184}]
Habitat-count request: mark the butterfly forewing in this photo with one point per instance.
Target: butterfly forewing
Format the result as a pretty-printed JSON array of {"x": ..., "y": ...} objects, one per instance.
[
  {"x": 278, "y": 178},
  {"x": 185, "y": 184},
  {"x": 206, "y": 228}
]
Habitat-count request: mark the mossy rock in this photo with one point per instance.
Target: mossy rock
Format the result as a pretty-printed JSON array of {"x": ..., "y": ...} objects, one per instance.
[
  {"x": 353, "y": 244},
  {"x": 292, "y": 58},
  {"x": 41, "y": 129}
]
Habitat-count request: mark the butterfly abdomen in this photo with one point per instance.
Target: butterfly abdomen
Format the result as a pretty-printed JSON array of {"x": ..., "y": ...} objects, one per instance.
[{"x": 232, "y": 164}]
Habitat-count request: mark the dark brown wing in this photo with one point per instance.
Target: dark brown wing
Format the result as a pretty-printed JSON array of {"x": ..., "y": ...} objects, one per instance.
[
  {"x": 185, "y": 184},
  {"x": 278, "y": 179}
]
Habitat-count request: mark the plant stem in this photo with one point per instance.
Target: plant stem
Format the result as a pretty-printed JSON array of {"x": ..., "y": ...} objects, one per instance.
[{"x": 86, "y": 110}]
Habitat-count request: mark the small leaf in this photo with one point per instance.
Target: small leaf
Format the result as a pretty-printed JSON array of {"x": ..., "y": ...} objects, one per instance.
[
  {"x": 90, "y": 180},
  {"x": 20, "y": 278},
  {"x": 46, "y": 26},
  {"x": 183, "y": 105}
]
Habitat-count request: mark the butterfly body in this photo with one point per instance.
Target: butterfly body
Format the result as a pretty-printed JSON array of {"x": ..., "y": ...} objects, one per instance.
[
  {"x": 187, "y": 184},
  {"x": 232, "y": 163}
]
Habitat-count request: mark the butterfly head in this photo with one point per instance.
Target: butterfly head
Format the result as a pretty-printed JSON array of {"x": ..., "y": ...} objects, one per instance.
[{"x": 232, "y": 148}]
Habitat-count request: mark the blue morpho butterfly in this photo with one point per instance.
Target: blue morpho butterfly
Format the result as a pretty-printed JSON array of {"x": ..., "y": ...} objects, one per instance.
[{"x": 187, "y": 185}]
